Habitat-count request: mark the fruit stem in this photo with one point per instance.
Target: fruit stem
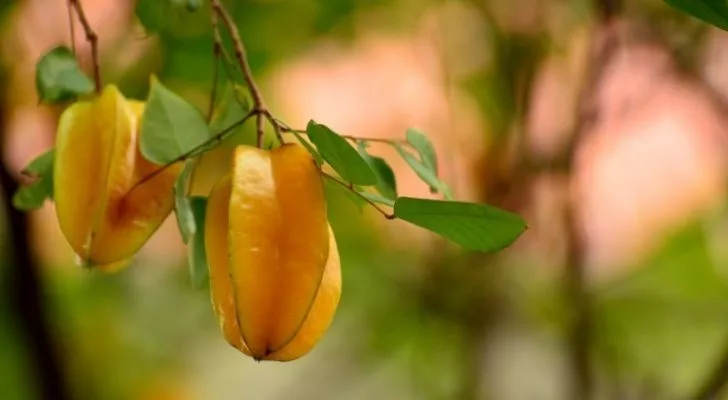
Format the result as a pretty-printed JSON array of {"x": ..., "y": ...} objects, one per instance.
[
  {"x": 91, "y": 37},
  {"x": 350, "y": 188},
  {"x": 287, "y": 129},
  {"x": 219, "y": 12}
]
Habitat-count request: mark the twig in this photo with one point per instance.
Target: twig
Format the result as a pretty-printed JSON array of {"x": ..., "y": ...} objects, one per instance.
[
  {"x": 287, "y": 129},
  {"x": 259, "y": 108},
  {"x": 350, "y": 188},
  {"x": 193, "y": 152},
  {"x": 216, "y": 72},
  {"x": 226, "y": 62},
  {"x": 72, "y": 26},
  {"x": 92, "y": 39}
]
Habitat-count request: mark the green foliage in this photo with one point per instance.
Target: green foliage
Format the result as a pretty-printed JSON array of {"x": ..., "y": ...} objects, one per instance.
[
  {"x": 34, "y": 195},
  {"x": 59, "y": 78},
  {"x": 171, "y": 127},
  {"x": 196, "y": 249},
  {"x": 316, "y": 156},
  {"x": 182, "y": 206},
  {"x": 334, "y": 190},
  {"x": 714, "y": 12},
  {"x": 160, "y": 16},
  {"x": 386, "y": 181},
  {"x": 376, "y": 198},
  {"x": 476, "y": 227},
  {"x": 233, "y": 106},
  {"x": 342, "y": 157},
  {"x": 424, "y": 147},
  {"x": 428, "y": 175},
  {"x": 666, "y": 319}
]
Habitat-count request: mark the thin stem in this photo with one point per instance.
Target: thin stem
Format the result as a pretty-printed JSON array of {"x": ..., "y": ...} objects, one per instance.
[
  {"x": 287, "y": 129},
  {"x": 92, "y": 39},
  {"x": 260, "y": 110},
  {"x": 259, "y": 128},
  {"x": 226, "y": 67},
  {"x": 259, "y": 107},
  {"x": 276, "y": 127},
  {"x": 194, "y": 151},
  {"x": 215, "y": 77},
  {"x": 350, "y": 188},
  {"x": 72, "y": 26}
]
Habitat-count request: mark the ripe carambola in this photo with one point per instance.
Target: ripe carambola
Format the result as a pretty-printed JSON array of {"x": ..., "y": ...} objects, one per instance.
[
  {"x": 104, "y": 213},
  {"x": 274, "y": 267}
]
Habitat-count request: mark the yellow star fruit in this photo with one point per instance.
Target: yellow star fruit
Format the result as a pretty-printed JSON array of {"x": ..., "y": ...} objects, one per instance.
[
  {"x": 274, "y": 267},
  {"x": 103, "y": 211}
]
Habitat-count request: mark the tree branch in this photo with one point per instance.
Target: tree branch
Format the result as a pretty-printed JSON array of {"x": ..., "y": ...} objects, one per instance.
[
  {"x": 259, "y": 108},
  {"x": 91, "y": 38},
  {"x": 71, "y": 26}
]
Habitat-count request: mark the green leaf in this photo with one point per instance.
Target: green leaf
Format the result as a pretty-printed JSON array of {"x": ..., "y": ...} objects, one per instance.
[
  {"x": 426, "y": 174},
  {"x": 377, "y": 198},
  {"x": 476, "y": 227},
  {"x": 386, "y": 180},
  {"x": 314, "y": 153},
  {"x": 151, "y": 14},
  {"x": 233, "y": 107},
  {"x": 342, "y": 157},
  {"x": 34, "y": 195},
  {"x": 333, "y": 188},
  {"x": 714, "y": 12},
  {"x": 170, "y": 126},
  {"x": 197, "y": 255},
  {"x": 182, "y": 206},
  {"x": 41, "y": 166},
  {"x": 59, "y": 78},
  {"x": 424, "y": 147}
]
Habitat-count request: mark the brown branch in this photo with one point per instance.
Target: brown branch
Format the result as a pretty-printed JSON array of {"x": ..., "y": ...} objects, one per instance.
[
  {"x": 71, "y": 26},
  {"x": 350, "y": 188},
  {"x": 92, "y": 39},
  {"x": 259, "y": 108}
]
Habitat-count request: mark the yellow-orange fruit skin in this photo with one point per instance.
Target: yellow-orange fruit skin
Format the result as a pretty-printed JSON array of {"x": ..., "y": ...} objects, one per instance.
[
  {"x": 104, "y": 216},
  {"x": 322, "y": 312},
  {"x": 274, "y": 267}
]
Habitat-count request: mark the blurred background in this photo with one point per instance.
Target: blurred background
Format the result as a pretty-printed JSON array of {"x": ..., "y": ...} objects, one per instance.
[{"x": 602, "y": 122}]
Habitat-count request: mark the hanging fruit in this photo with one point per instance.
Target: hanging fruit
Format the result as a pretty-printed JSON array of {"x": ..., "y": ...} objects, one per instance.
[
  {"x": 274, "y": 267},
  {"x": 105, "y": 208}
]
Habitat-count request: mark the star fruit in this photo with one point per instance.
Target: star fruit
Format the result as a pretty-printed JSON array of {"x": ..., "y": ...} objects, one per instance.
[
  {"x": 104, "y": 209},
  {"x": 274, "y": 266}
]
